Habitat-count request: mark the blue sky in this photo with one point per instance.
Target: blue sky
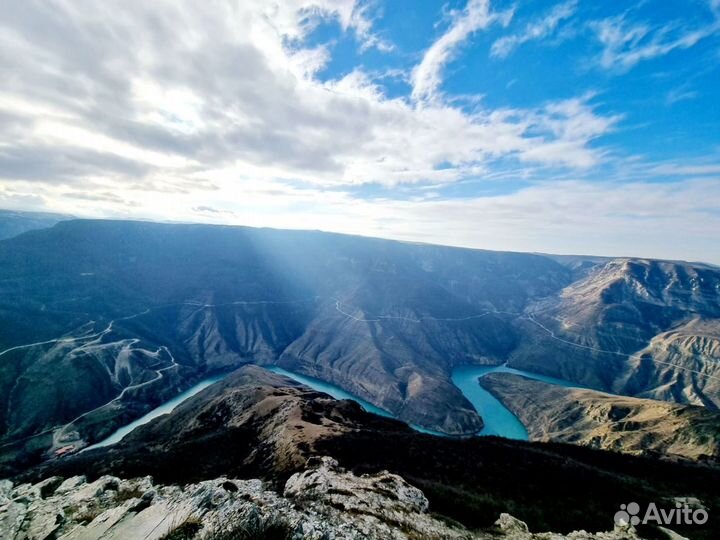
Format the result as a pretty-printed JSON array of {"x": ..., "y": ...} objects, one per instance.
[
  {"x": 667, "y": 96},
  {"x": 568, "y": 127}
]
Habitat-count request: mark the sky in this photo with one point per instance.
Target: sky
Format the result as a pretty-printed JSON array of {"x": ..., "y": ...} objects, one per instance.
[{"x": 546, "y": 126}]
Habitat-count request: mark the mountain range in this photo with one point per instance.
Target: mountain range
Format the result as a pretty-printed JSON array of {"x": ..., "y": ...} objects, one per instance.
[
  {"x": 103, "y": 321},
  {"x": 100, "y": 321}
]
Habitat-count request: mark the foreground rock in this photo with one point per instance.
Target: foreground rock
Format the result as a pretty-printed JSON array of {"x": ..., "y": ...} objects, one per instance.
[
  {"x": 322, "y": 502},
  {"x": 609, "y": 422}
]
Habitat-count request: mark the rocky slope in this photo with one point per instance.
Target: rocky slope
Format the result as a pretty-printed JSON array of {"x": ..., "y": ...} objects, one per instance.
[
  {"x": 682, "y": 365},
  {"x": 256, "y": 424},
  {"x": 616, "y": 329},
  {"x": 610, "y": 422},
  {"x": 319, "y": 503}
]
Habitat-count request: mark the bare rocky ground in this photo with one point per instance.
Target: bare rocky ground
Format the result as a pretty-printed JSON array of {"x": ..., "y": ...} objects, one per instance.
[{"x": 322, "y": 502}]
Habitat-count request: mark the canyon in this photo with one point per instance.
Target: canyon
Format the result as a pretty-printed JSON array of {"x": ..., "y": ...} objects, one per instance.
[{"x": 102, "y": 321}]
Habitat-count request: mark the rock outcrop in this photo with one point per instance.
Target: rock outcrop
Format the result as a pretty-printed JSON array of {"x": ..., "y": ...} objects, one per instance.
[{"x": 322, "y": 502}]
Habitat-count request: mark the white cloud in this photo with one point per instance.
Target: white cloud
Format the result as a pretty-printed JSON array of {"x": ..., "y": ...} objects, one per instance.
[
  {"x": 427, "y": 76},
  {"x": 626, "y": 43},
  {"x": 635, "y": 218},
  {"x": 694, "y": 169},
  {"x": 677, "y": 95},
  {"x": 535, "y": 30},
  {"x": 215, "y": 113},
  {"x": 169, "y": 92}
]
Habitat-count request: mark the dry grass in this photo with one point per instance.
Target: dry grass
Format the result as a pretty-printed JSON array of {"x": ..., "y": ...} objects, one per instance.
[
  {"x": 255, "y": 529},
  {"x": 187, "y": 530}
]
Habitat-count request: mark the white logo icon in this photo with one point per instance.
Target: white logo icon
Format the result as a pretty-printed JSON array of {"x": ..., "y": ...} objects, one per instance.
[
  {"x": 628, "y": 514},
  {"x": 687, "y": 511}
]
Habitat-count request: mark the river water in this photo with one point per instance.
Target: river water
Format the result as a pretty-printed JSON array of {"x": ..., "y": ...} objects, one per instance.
[
  {"x": 165, "y": 408},
  {"x": 497, "y": 418}
]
